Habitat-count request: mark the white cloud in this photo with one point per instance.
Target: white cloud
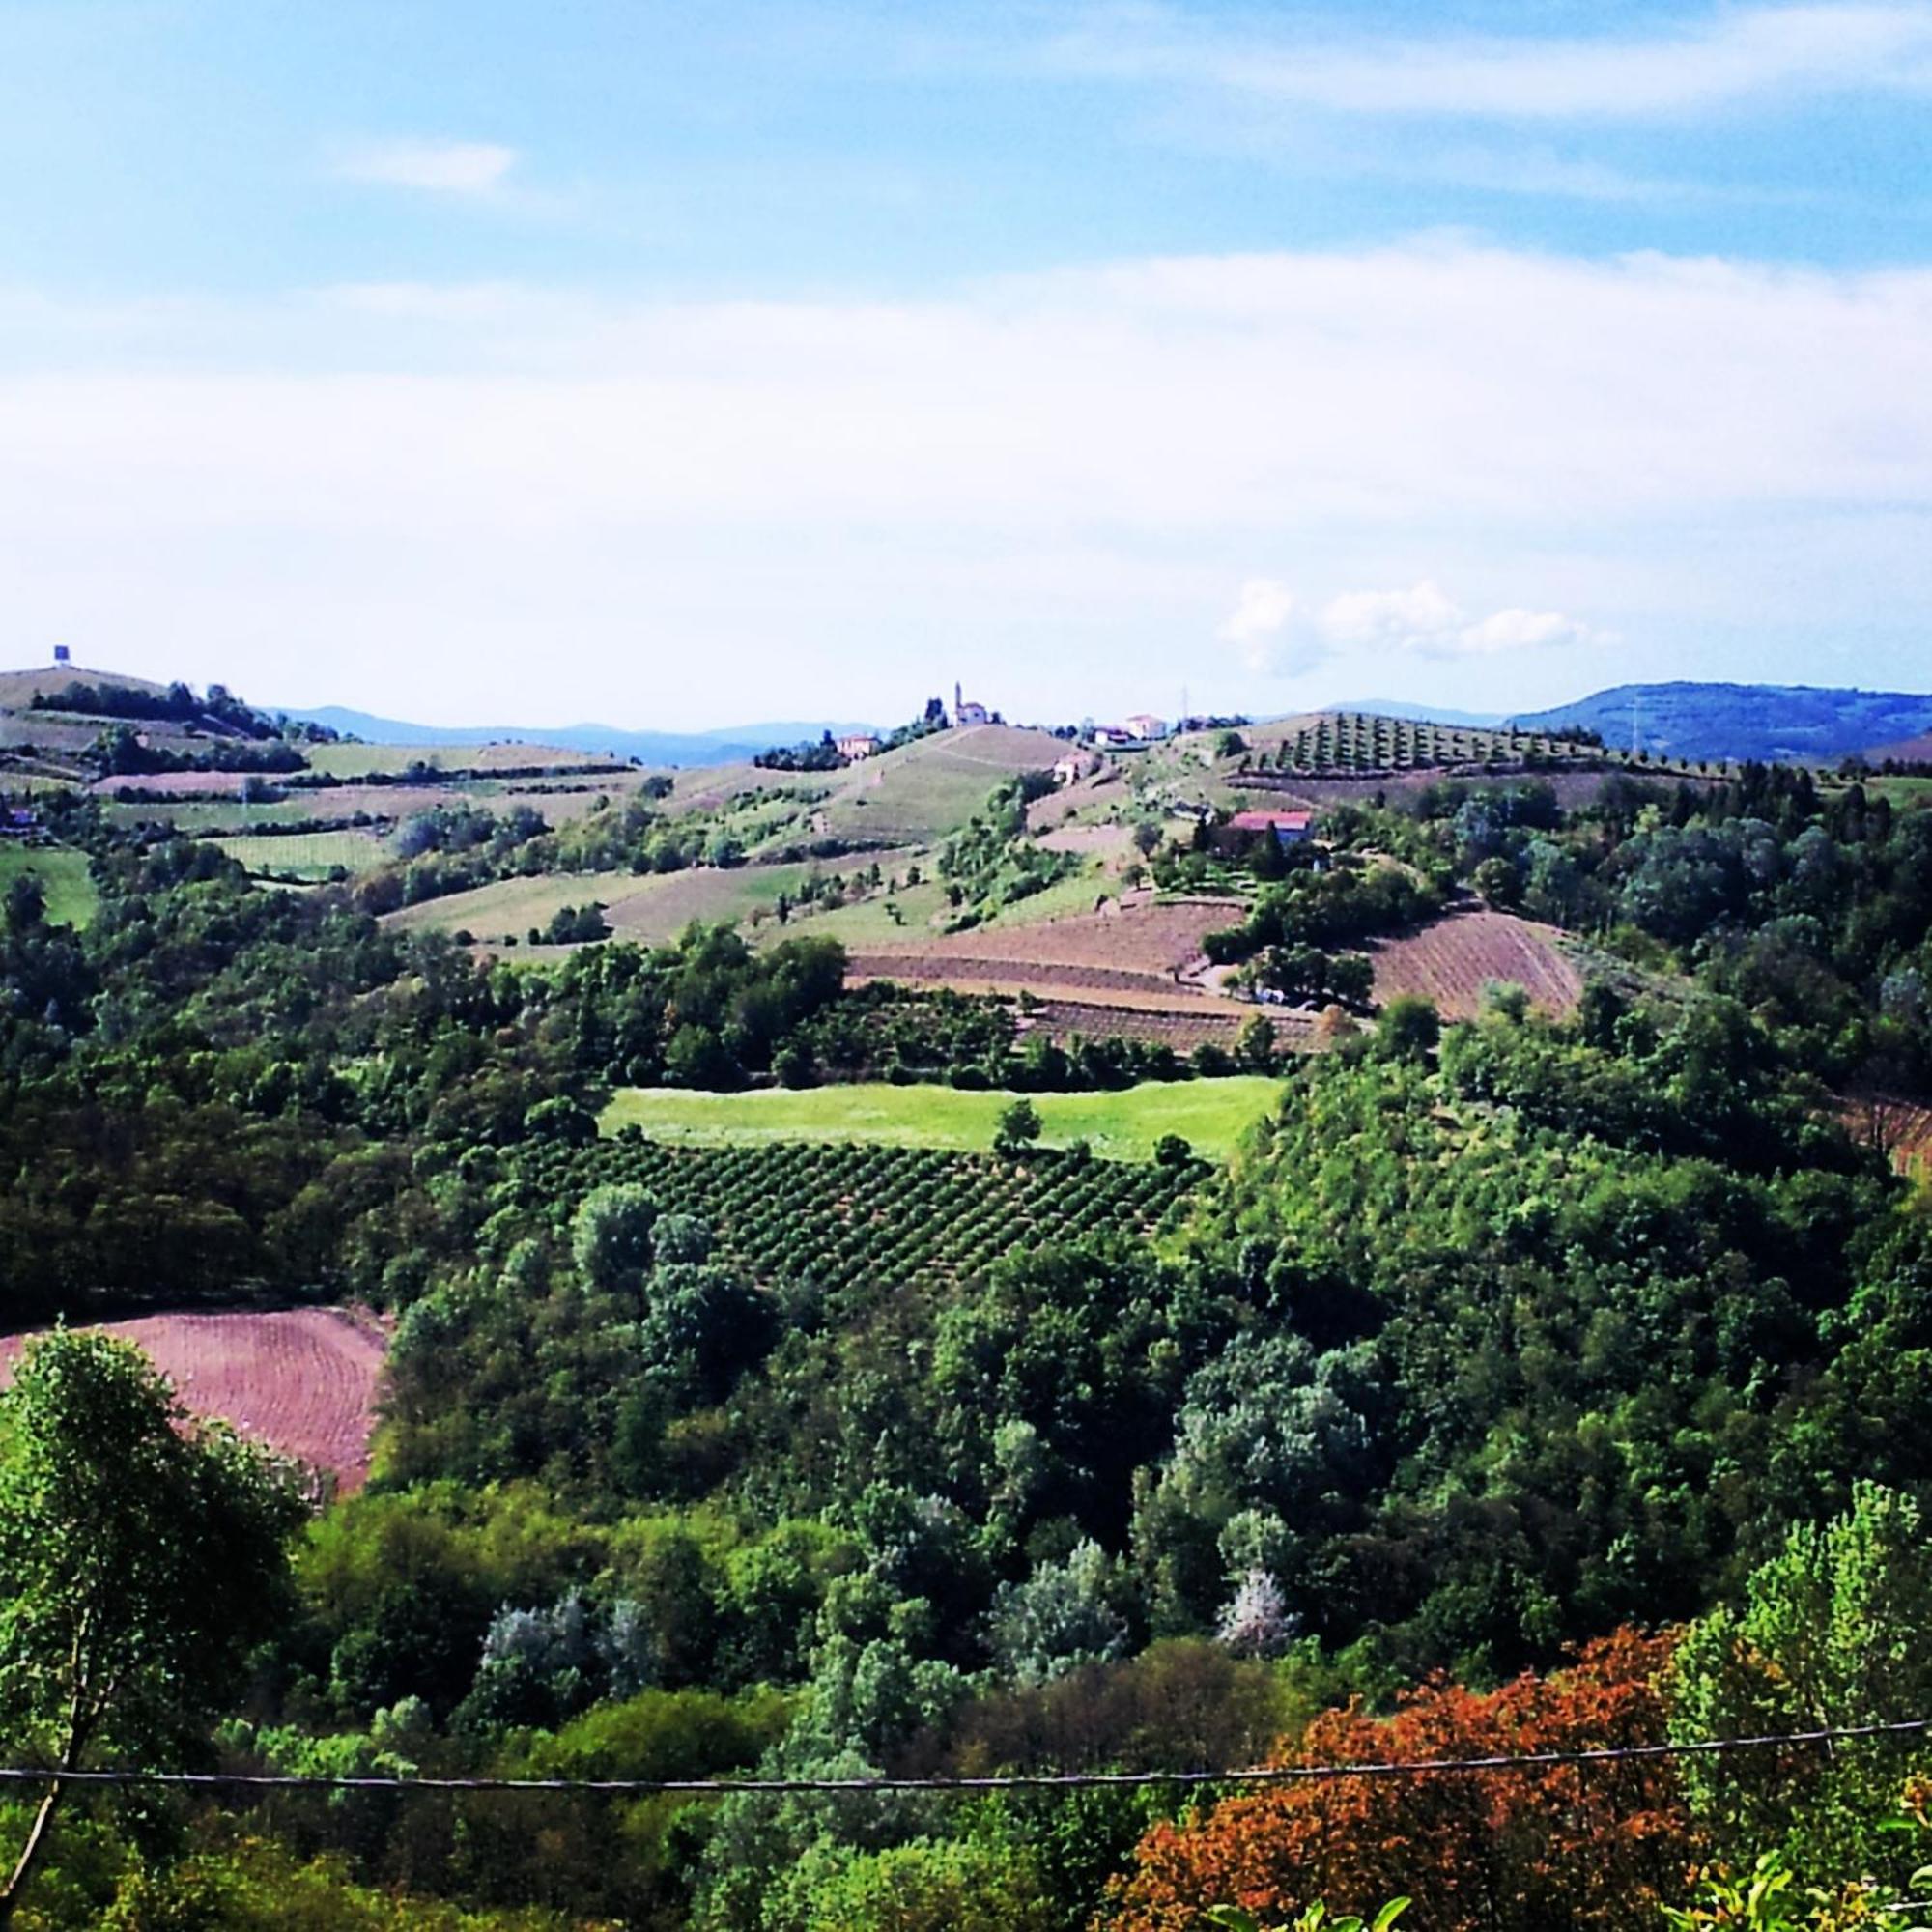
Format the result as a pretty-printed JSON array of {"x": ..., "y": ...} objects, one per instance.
[
  {"x": 1259, "y": 623},
  {"x": 1732, "y": 56},
  {"x": 435, "y": 168},
  {"x": 1517, "y": 630},
  {"x": 1074, "y": 469},
  {"x": 1418, "y": 619},
  {"x": 1278, "y": 630}
]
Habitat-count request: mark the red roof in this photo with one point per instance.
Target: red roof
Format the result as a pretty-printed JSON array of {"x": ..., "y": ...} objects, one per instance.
[{"x": 1271, "y": 821}]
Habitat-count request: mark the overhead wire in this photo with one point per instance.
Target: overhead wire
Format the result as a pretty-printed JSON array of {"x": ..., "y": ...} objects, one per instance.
[{"x": 1256, "y": 1776}]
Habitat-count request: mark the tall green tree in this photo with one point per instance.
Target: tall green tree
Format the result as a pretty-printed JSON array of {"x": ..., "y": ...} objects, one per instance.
[
  {"x": 1831, "y": 1634},
  {"x": 142, "y": 1556}
]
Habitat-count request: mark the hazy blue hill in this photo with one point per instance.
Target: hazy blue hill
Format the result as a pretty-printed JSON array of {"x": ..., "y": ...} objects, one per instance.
[
  {"x": 720, "y": 747},
  {"x": 1796, "y": 723},
  {"x": 1420, "y": 713}
]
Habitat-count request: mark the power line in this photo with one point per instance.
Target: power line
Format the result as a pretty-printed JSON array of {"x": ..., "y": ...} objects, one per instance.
[{"x": 1066, "y": 1780}]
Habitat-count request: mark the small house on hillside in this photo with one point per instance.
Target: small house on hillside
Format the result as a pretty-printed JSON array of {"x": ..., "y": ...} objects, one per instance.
[
  {"x": 860, "y": 745},
  {"x": 966, "y": 712},
  {"x": 1074, "y": 767},
  {"x": 1287, "y": 828},
  {"x": 1146, "y": 727}
]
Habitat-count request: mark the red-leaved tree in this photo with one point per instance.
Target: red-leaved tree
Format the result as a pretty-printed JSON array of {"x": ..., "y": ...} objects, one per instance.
[{"x": 1562, "y": 1848}]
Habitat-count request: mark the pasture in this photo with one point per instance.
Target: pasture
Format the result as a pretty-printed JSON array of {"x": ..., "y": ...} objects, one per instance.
[
  {"x": 64, "y": 878},
  {"x": 362, "y": 761},
  {"x": 650, "y": 911},
  {"x": 1210, "y": 1114},
  {"x": 507, "y": 908},
  {"x": 305, "y": 856}
]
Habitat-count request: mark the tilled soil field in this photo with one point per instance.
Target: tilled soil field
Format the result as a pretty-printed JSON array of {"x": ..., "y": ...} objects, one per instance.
[
  {"x": 1452, "y": 960},
  {"x": 300, "y": 1380}
]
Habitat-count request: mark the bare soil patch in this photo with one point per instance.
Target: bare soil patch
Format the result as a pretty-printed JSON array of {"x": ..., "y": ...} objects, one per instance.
[
  {"x": 1453, "y": 959},
  {"x": 302, "y": 1381}
]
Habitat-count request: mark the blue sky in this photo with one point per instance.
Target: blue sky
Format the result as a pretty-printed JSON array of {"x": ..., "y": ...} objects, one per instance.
[{"x": 675, "y": 365}]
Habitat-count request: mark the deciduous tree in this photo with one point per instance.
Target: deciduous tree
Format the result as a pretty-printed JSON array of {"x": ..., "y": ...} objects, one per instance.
[{"x": 141, "y": 1557}]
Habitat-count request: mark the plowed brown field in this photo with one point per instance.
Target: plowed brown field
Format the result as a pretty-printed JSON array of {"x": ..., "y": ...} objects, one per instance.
[
  {"x": 300, "y": 1380},
  {"x": 1452, "y": 962}
]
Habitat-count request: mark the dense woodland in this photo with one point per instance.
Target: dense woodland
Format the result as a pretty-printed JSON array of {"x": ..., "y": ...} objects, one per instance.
[{"x": 1526, "y": 1383}]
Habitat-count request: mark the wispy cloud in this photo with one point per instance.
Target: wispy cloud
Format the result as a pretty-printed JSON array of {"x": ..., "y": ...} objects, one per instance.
[
  {"x": 432, "y": 167},
  {"x": 1278, "y": 632},
  {"x": 1731, "y": 57}
]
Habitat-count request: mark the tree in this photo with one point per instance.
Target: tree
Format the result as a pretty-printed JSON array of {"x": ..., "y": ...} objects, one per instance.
[
  {"x": 610, "y": 1238},
  {"x": 1256, "y": 1622},
  {"x": 26, "y": 902},
  {"x": 1408, "y": 1028},
  {"x": 1831, "y": 1634},
  {"x": 1019, "y": 1126},
  {"x": 1254, "y": 1048},
  {"x": 1500, "y": 1853},
  {"x": 142, "y": 1556}
]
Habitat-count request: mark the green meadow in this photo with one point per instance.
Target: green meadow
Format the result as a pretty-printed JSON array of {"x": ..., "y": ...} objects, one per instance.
[
  {"x": 1209, "y": 1115},
  {"x": 63, "y": 875}
]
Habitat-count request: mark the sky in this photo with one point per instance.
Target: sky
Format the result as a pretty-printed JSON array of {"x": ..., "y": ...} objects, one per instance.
[{"x": 482, "y": 362}]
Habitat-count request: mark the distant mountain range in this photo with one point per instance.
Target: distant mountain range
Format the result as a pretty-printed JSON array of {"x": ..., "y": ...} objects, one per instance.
[
  {"x": 1422, "y": 714},
  {"x": 1805, "y": 724},
  {"x": 1801, "y": 723},
  {"x": 728, "y": 745}
]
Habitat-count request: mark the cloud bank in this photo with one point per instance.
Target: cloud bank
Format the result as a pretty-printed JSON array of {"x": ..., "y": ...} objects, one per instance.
[{"x": 1058, "y": 477}]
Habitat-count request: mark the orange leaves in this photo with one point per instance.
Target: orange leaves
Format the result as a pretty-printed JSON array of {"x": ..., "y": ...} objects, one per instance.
[{"x": 1589, "y": 1846}]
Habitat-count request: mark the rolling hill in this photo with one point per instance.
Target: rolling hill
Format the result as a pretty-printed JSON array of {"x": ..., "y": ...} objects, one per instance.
[{"x": 1798, "y": 723}]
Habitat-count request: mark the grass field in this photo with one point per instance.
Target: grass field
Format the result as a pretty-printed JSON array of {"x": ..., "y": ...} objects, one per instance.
[
  {"x": 649, "y": 911},
  {"x": 933, "y": 785},
  {"x": 63, "y": 875},
  {"x": 653, "y": 912},
  {"x": 305, "y": 855},
  {"x": 509, "y": 907},
  {"x": 211, "y": 818},
  {"x": 1209, "y": 1115},
  {"x": 356, "y": 761},
  {"x": 869, "y": 923}
]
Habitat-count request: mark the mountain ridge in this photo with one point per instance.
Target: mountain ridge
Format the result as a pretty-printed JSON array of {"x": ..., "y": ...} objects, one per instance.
[
  {"x": 1793, "y": 724},
  {"x": 726, "y": 745}
]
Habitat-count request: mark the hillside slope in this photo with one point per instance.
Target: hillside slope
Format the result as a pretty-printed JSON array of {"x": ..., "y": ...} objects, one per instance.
[{"x": 1794, "y": 723}]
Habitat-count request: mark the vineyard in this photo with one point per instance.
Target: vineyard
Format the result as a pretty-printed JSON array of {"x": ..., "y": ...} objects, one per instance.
[
  {"x": 1357, "y": 741},
  {"x": 844, "y": 1214}
]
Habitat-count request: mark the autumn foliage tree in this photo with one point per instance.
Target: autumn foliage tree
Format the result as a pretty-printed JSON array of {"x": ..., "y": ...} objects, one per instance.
[{"x": 1561, "y": 1848}]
